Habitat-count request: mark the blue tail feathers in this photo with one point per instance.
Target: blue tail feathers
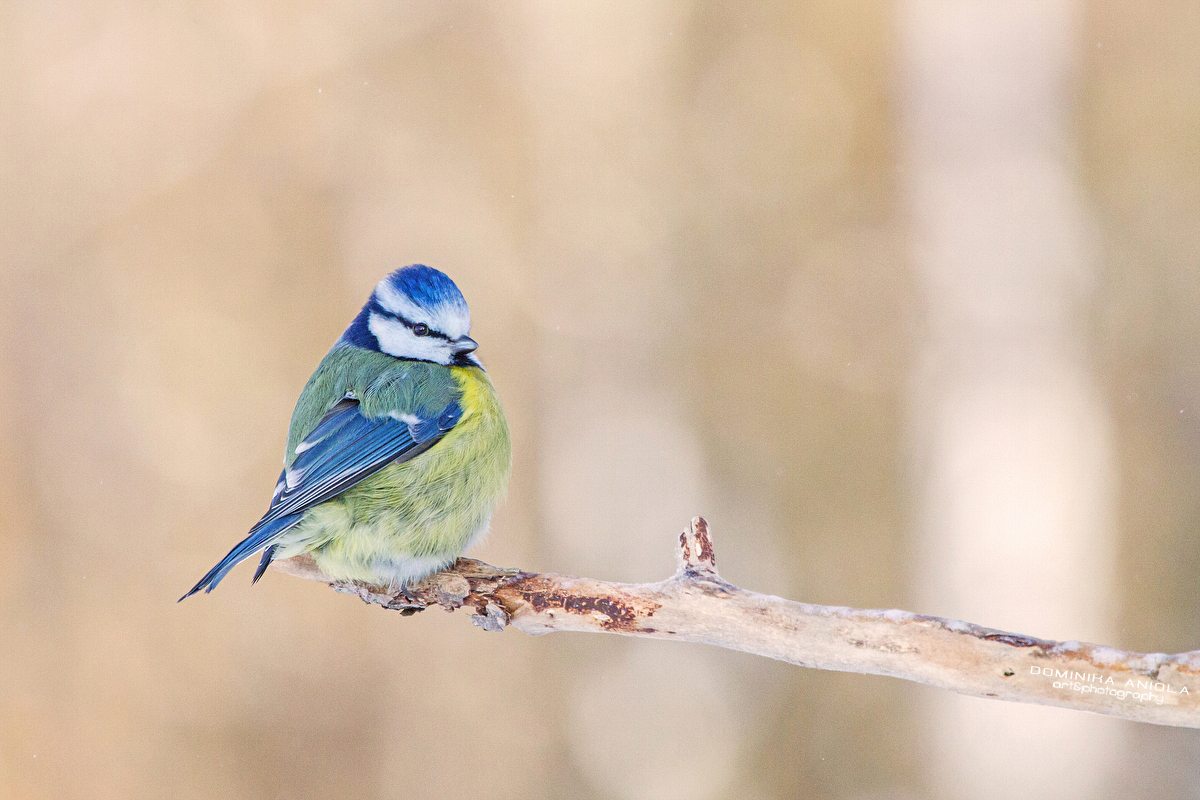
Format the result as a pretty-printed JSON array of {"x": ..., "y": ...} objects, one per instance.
[
  {"x": 265, "y": 562},
  {"x": 261, "y": 538}
]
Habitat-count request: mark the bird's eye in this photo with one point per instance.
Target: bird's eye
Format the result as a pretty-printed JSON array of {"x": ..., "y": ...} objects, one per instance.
[{"x": 420, "y": 329}]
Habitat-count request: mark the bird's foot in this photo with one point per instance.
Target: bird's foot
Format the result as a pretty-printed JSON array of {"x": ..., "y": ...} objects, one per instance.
[{"x": 406, "y": 601}]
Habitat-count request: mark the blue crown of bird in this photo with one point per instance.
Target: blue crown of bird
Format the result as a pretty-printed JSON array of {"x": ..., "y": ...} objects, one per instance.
[{"x": 398, "y": 449}]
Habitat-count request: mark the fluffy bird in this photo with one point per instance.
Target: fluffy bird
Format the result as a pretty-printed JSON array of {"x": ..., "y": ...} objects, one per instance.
[{"x": 398, "y": 448}]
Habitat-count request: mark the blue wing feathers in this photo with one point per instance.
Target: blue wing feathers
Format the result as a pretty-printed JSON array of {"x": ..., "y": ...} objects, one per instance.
[
  {"x": 449, "y": 417},
  {"x": 344, "y": 448}
]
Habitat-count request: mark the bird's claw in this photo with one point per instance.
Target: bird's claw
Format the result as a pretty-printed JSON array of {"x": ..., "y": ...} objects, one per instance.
[{"x": 406, "y": 601}]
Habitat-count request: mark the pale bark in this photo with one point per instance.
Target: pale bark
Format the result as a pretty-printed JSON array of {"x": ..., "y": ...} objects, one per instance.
[{"x": 696, "y": 605}]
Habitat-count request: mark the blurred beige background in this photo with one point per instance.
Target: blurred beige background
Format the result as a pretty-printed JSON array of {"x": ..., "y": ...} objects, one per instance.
[{"x": 904, "y": 297}]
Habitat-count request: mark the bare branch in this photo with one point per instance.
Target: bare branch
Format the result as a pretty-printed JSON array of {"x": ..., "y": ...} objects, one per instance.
[{"x": 696, "y": 605}]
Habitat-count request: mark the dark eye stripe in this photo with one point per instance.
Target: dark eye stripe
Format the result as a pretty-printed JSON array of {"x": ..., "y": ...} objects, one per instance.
[{"x": 410, "y": 325}]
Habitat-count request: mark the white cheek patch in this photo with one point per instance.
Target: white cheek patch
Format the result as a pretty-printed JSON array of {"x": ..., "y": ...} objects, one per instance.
[
  {"x": 452, "y": 319},
  {"x": 397, "y": 339}
]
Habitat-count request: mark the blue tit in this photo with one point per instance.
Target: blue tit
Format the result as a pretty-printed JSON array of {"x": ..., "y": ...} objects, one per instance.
[{"x": 398, "y": 448}]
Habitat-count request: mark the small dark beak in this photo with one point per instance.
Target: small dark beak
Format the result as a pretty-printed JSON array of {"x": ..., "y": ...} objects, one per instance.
[{"x": 464, "y": 345}]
